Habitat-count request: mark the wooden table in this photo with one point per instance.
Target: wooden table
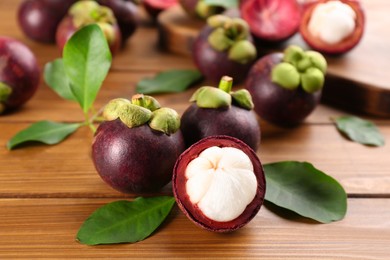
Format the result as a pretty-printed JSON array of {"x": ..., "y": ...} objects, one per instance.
[{"x": 46, "y": 192}]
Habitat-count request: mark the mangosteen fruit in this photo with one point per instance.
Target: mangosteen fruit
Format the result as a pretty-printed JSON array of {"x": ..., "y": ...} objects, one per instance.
[
  {"x": 220, "y": 111},
  {"x": 19, "y": 74},
  {"x": 271, "y": 21},
  {"x": 224, "y": 47},
  {"x": 39, "y": 19},
  {"x": 126, "y": 14},
  {"x": 333, "y": 27},
  {"x": 199, "y": 9},
  {"x": 155, "y": 7},
  {"x": 87, "y": 12},
  {"x": 286, "y": 87},
  {"x": 219, "y": 183},
  {"x": 135, "y": 150}
]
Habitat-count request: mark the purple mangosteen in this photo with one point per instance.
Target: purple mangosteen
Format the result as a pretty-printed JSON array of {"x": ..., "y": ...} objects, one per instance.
[
  {"x": 39, "y": 18},
  {"x": 19, "y": 74},
  {"x": 135, "y": 150},
  {"x": 126, "y": 14},
  {"x": 88, "y": 12},
  {"x": 219, "y": 111},
  {"x": 286, "y": 87},
  {"x": 224, "y": 47}
]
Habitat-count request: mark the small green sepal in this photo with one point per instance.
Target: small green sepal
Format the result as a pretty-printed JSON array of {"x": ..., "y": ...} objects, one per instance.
[
  {"x": 285, "y": 75},
  {"x": 312, "y": 80},
  {"x": 243, "y": 99},
  {"x": 165, "y": 120},
  {"x": 211, "y": 97}
]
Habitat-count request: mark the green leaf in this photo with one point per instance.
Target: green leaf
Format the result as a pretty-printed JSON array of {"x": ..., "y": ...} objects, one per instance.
[
  {"x": 87, "y": 60},
  {"x": 56, "y": 79},
  {"x": 169, "y": 81},
  {"x": 300, "y": 187},
  {"x": 125, "y": 221},
  {"x": 46, "y": 132},
  {"x": 359, "y": 130},
  {"x": 223, "y": 3}
]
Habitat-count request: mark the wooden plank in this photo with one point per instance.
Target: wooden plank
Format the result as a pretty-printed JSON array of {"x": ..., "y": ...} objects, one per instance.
[
  {"x": 67, "y": 170},
  {"x": 46, "y": 228}
]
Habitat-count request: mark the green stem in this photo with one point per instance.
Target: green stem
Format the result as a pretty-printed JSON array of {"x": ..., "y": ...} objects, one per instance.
[{"x": 226, "y": 84}]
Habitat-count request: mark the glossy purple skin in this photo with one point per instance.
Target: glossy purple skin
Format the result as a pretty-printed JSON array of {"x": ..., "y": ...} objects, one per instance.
[
  {"x": 275, "y": 104},
  {"x": 19, "y": 70},
  {"x": 39, "y": 18},
  {"x": 197, "y": 123},
  {"x": 135, "y": 159},
  {"x": 126, "y": 13},
  {"x": 214, "y": 64}
]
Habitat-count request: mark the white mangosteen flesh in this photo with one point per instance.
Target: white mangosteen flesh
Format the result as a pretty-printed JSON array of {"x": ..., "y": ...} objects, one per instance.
[
  {"x": 221, "y": 182},
  {"x": 332, "y": 21}
]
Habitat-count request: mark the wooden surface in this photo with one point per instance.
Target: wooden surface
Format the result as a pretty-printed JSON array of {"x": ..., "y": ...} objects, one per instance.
[
  {"x": 46, "y": 192},
  {"x": 355, "y": 81}
]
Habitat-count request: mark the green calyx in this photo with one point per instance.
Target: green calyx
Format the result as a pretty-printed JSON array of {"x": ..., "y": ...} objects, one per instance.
[
  {"x": 89, "y": 12},
  {"x": 5, "y": 92},
  {"x": 300, "y": 68},
  {"x": 222, "y": 97},
  {"x": 203, "y": 10},
  {"x": 231, "y": 35},
  {"x": 142, "y": 110}
]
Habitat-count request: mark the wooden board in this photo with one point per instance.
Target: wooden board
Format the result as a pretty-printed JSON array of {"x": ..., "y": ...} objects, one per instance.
[
  {"x": 357, "y": 81},
  {"x": 47, "y": 228}
]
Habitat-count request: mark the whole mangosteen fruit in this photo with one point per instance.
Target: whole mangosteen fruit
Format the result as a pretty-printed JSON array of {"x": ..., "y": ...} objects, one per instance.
[
  {"x": 271, "y": 21},
  {"x": 136, "y": 148},
  {"x": 219, "y": 111},
  {"x": 333, "y": 27},
  {"x": 224, "y": 47},
  {"x": 126, "y": 14},
  {"x": 219, "y": 183},
  {"x": 19, "y": 74},
  {"x": 200, "y": 9},
  {"x": 87, "y": 12},
  {"x": 39, "y": 18},
  {"x": 286, "y": 87}
]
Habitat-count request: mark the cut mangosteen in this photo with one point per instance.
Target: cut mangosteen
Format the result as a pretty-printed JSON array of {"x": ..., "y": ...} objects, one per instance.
[
  {"x": 19, "y": 74},
  {"x": 136, "y": 148},
  {"x": 219, "y": 111},
  {"x": 286, "y": 87},
  {"x": 271, "y": 20},
  {"x": 87, "y": 12},
  {"x": 219, "y": 183},
  {"x": 155, "y": 7},
  {"x": 39, "y": 18},
  {"x": 224, "y": 47},
  {"x": 333, "y": 26}
]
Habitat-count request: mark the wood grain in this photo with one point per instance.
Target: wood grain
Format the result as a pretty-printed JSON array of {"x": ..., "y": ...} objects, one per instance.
[
  {"x": 46, "y": 228},
  {"x": 46, "y": 192},
  {"x": 360, "y": 169}
]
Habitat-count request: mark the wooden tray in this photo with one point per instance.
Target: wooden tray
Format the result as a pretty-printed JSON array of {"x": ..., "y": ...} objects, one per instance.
[{"x": 358, "y": 81}]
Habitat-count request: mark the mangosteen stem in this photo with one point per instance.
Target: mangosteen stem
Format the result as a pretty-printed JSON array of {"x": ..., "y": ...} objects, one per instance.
[
  {"x": 145, "y": 101},
  {"x": 226, "y": 84}
]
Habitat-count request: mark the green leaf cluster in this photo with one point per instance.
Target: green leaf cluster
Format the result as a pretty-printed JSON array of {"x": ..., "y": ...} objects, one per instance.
[{"x": 78, "y": 77}]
